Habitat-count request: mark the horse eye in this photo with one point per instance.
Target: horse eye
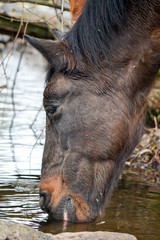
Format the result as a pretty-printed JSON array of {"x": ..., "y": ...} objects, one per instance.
[{"x": 51, "y": 110}]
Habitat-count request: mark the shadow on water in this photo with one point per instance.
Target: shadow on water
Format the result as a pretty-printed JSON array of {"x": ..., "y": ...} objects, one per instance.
[{"x": 134, "y": 207}]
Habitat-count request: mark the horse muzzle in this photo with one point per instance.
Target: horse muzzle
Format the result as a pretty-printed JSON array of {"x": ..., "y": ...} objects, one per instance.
[{"x": 65, "y": 210}]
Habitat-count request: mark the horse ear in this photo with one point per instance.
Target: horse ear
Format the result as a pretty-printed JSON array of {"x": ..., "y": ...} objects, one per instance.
[
  {"x": 58, "y": 53},
  {"x": 58, "y": 34}
]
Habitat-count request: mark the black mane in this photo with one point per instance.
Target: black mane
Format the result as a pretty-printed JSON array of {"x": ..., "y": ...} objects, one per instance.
[{"x": 100, "y": 26}]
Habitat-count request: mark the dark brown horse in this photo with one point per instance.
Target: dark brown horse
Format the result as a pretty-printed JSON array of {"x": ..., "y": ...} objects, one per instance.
[{"x": 98, "y": 78}]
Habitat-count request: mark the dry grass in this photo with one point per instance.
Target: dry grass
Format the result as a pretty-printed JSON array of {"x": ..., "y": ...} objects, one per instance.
[{"x": 144, "y": 163}]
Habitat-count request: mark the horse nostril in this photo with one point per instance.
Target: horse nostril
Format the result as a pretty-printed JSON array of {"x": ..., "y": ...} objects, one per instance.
[
  {"x": 45, "y": 197},
  {"x": 69, "y": 199}
]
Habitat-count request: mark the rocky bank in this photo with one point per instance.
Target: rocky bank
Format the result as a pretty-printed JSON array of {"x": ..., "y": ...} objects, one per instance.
[{"x": 15, "y": 231}]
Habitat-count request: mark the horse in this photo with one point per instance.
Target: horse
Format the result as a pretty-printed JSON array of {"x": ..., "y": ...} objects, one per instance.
[{"x": 99, "y": 75}]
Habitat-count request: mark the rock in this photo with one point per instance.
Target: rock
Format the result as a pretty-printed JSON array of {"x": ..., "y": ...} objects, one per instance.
[
  {"x": 15, "y": 231},
  {"x": 94, "y": 236}
]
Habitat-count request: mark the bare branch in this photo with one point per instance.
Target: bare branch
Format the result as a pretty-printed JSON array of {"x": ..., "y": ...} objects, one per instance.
[
  {"x": 44, "y": 3},
  {"x": 62, "y": 10}
]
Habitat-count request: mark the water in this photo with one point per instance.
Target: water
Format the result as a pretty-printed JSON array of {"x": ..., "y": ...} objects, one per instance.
[{"x": 134, "y": 207}]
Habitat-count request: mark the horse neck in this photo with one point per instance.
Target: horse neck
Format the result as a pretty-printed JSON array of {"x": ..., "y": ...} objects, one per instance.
[
  {"x": 133, "y": 55},
  {"x": 107, "y": 26}
]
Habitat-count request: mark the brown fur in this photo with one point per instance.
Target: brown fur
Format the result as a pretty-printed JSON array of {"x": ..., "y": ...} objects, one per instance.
[
  {"x": 58, "y": 189},
  {"x": 76, "y": 8}
]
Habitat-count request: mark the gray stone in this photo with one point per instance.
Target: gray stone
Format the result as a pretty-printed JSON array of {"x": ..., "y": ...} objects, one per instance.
[
  {"x": 94, "y": 236},
  {"x": 15, "y": 231}
]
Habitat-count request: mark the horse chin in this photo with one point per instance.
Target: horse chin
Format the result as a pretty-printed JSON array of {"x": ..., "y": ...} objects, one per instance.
[
  {"x": 65, "y": 210},
  {"x": 68, "y": 211}
]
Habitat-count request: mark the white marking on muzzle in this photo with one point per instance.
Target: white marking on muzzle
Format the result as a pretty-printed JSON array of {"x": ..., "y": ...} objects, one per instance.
[{"x": 65, "y": 215}]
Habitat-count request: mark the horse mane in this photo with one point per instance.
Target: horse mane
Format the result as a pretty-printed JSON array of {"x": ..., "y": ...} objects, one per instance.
[{"x": 100, "y": 25}]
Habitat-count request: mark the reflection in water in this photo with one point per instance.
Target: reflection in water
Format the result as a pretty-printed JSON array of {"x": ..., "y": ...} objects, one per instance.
[
  {"x": 13, "y": 106},
  {"x": 133, "y": 208},
  {"x": 21, "y": 137}
]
